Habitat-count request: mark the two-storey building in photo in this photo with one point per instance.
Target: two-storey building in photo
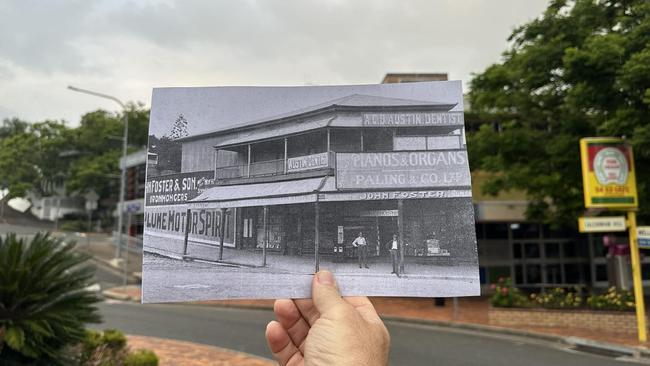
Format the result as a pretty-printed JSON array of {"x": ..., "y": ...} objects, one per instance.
[{"x": 306, "y": 183}]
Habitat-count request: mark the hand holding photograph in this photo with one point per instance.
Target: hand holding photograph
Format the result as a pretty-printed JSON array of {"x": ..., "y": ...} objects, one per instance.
[{"x": 251, "y": 190}]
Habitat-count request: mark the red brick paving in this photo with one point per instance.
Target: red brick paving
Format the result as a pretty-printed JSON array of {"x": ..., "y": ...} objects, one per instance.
[{"x": 179, "y": 353}]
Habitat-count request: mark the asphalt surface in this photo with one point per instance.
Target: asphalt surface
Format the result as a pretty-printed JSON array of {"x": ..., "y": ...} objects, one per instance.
[{"x": 412, "y": 344}]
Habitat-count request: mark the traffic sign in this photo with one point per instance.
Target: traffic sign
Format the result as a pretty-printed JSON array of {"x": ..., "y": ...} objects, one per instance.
[
  {"x": 643, "y": 236},
  {"x": 603, "y": 224}
]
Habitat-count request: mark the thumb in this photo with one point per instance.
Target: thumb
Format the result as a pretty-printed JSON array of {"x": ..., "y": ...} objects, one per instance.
[{"x": 324, "y": 292}]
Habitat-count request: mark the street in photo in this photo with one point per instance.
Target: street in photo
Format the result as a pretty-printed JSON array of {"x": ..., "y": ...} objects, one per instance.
[{"x": 251, "y": 190}]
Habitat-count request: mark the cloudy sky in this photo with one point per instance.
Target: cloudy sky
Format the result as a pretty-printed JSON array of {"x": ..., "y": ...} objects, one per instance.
[{"x": 125, "y": 48}]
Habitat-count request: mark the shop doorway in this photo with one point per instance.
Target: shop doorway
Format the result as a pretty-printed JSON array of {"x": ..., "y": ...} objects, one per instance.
[{"x": 386, "y": 227}]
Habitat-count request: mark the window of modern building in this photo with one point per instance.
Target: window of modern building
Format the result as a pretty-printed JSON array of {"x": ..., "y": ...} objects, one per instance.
[
  {"x": 601, "y": 272},
  {"x": 526, "y": 231},
  {"x": 533, "y": 273},
  {"x": 531, "y": 250},
  {"x": 552, "y": 250},
  {"x": 553, "y": 274},
  {"x": 519, "y": 274},
  {"x": 516, "y": 250},
  {"x": 494, "y": 273},
  {"x": 572, "y": 273},
  {"x": 496, "y": 231}
]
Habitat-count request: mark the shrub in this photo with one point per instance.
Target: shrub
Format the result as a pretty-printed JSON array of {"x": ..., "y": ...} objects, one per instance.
[
  {"x": 74, "y": 225},
  {"x": 507, "y": 296},
  {"x": 44, "y": 303},
  {"x": 613, "y": 299},
  {"x": 109, "y": 348},
  {"x": 141, "y": 357},
  {"x": 557, "y": 298}
]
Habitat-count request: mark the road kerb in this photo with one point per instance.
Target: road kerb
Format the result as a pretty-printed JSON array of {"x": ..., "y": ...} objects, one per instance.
[{"x": 572, "y": 341}]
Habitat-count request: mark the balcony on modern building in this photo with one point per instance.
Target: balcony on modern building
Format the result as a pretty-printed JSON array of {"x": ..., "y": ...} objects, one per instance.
[{"x": 314, "y": 153}]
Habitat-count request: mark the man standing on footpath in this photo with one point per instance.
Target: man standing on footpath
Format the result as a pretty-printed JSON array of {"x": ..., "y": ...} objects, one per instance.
[
  {"x": 362, "y": 249},
  {"x": 393, "y": 246}
]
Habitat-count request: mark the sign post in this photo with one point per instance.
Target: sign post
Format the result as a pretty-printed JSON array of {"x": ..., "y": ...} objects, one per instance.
[
  {"x": 643, "y": 237},
  {"x": 609, "y": 182}
]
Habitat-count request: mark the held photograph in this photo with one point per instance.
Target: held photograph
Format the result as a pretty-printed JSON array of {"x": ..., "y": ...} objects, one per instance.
[{"x": 251, "y": 190}]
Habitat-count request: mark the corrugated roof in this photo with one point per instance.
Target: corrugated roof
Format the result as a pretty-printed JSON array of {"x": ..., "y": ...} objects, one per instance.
[
  {"x": 353, "y": 101},
  {"x": 264, "y": 190}
]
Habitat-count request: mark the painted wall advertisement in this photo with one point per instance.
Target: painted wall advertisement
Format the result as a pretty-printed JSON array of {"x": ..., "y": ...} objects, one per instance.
[
  {"x": 390, "y": 170},
  {"x": 170, "y": 221},
  {"x": 176, "y": 188},
  {"x": 608, "y": 173}
]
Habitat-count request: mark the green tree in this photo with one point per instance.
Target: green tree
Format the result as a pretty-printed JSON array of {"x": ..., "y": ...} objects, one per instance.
[
  {"x": 30, "y": 154},
  {"x": 581, "y": 69},
  {"x": 44, "y": 304},
  {"x": 98, "y": 144}
]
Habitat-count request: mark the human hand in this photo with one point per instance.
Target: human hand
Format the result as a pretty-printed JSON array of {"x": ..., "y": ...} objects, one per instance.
[{"x": 327, "y": 329}]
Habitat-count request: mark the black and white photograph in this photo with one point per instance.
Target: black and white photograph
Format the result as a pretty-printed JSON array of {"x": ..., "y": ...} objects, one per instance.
[{"x": 251, "y": 190}]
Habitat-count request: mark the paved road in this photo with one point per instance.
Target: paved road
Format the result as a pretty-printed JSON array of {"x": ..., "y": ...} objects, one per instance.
[{"x": 243, "y": 330}]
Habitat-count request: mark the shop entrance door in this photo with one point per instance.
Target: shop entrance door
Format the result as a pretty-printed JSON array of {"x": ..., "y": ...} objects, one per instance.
[{"x": 386, "y": 227}]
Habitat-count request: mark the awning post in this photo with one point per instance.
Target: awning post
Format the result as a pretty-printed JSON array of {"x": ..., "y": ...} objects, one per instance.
[
  {"x": 316, "y": 236},
  {"x": 248, "y": 165},
  {"x": 188, "y": 223},
  {"x": 222, "y": 231},
  {"x": 266, "y": 235},
  {"x": 285, "y": 155},
  {"x": 400, "y": 229}
]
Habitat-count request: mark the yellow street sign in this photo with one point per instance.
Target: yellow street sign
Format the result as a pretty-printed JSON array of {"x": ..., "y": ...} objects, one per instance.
[
  {"x": 604, "y": 224},
  {"x": 608, "y": 173}
]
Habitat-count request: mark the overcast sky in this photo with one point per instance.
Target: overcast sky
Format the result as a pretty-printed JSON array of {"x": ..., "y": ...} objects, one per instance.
[{"x": 125, "y": 48}]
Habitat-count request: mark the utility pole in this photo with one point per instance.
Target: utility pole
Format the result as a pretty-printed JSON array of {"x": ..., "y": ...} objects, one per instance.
[{"x": 125, "y": 138}]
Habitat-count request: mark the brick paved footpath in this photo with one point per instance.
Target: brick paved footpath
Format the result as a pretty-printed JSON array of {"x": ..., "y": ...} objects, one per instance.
[{"x": 179, "y": 353}]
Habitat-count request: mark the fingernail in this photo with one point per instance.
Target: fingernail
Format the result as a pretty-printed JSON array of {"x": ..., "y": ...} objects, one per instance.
[{"x": 325, "y": 278}]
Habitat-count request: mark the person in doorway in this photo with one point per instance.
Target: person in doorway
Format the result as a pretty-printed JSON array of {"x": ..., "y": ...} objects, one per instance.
[
  {"x": 362, "y": 249},
  {"x": 393, "y": 246}
]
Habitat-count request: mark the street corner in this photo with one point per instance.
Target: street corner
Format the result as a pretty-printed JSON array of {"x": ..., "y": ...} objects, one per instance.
[{"x": 124, "y": 293}]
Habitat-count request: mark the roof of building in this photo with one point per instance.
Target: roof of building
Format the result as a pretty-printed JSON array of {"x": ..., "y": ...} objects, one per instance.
[
  {"x": 350, "y": 102},
  {"x": 410, "y": 77}
]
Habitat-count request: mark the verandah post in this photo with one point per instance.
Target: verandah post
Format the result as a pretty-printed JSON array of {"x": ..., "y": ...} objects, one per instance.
[
  {"x": 400, "y": 229},
  {"x": 222, "y": 231},
  {"x": 316, "y": 236},
  {"x": 266, "y": 235},
  {"x": 188, "y": 223}
]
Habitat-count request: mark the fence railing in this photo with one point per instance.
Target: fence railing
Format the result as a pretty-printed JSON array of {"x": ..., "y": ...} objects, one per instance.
[{"x": 277, "y": 167}]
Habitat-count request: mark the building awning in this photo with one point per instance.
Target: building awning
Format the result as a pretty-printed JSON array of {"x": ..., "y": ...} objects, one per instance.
[{"x": 260, "y": 194}]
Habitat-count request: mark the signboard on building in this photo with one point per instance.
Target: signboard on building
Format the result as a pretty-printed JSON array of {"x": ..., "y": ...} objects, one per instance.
[
  {"x": 422, "y": 169},
  {"x": 413, "y": 119},
  {"x": 643, "y": 236},
  {"x": 308, "y": 162},
  {"x": 608, "y": 173},
  {"x": 602, "y": 224},
  {"x": 170, "y": 221},
  {"x": 176, "y": 188}
]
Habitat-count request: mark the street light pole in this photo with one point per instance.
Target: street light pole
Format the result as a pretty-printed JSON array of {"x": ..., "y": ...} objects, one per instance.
[{"x": 125, "y": 138}]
